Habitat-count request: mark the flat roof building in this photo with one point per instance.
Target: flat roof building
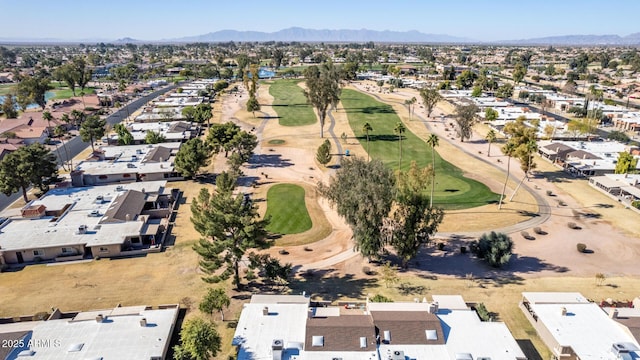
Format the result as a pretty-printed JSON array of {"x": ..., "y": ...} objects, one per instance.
[
  {"x": 575, "y": 328},
  {"x": 128, "y": 163},
  {"x": 86, "y": 222},
  {"x": 291, "y": 329},
  {"x": 133, "y": 332}
]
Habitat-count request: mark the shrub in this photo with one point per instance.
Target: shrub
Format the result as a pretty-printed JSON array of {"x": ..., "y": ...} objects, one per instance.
[
  {"x": 367, "y": 270},
  {"x": 573, "y": 226},
  {"x": 581, "y": 247},
  {"x": 549, "y": 192},
  {"x": 463, "y": 249},
  {"x": 495, "y": 248},
  {"x": 440, "y": 246},
  {"x": 380, "y": 298},
  {"x": 482, "y": 312}
]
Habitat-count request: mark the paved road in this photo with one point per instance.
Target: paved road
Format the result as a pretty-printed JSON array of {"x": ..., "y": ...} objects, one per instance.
[{"x": 75, "y": 146}]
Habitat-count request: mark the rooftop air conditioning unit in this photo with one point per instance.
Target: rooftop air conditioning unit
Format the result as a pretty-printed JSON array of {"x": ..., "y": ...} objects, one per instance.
[
  {"x": 397, "y": 355},
  {"x": 82, "y": 229}
]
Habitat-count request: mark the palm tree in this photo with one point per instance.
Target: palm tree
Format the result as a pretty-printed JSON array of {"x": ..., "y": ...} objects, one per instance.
[
  {"x": 491, "y": 137},
  {"x": 399, "y": 129},
  {"x": 365, "y": 129},
  {"x": 508, "y": 149},
  {"x": 531, "y": 147},
  {"x": 409, "y": 103},
  {"x": 47, "y": 116},
  {"x": 59, "y": 132},
  {"x": 433, "y": 141}
]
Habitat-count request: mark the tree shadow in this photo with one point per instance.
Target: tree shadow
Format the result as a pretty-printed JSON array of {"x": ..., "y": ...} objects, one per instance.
[
  {"x": 451, "y": 261},
  {"x": 381, "y": 109},
  {"x": 329, "y": 286},
  {"x": 381, "y": 138},
  {"x": 268, "y": 160},
  {"x": 529, "y": 350},
  {"x": 603, "y": 206}
]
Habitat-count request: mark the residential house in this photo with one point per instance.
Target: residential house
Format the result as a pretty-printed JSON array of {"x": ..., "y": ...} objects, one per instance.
[
  {"x": 291, "y": 327},
  {"x": 85, "y": 222},
  {"x": 128, "y": 163},
  {"x": 574, "y": 328},
  {"x": 131, "y": 332}
]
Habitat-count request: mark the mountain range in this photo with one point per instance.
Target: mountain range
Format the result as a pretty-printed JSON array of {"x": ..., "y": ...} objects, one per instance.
[
  {"x": 363, "y": 35},
  {"x": 325, "y": 35}
]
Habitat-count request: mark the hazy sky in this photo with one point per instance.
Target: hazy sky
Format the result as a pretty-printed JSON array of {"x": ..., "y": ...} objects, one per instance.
[{"x": 483, "y": 20}]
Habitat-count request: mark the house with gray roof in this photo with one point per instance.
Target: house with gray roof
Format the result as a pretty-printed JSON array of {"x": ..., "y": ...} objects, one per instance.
[
  {"x": 88, "y": 222},
  {"x": 280, "y": 328}
]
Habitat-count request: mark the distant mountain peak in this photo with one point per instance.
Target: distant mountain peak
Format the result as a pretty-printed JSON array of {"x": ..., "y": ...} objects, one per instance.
[{"x": 296, "y": 33}]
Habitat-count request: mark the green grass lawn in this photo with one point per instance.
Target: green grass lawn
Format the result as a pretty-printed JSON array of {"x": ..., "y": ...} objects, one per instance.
[
  {"x": 452, "y": 191},
  {"x": 6, "y": 88},
  {"x": 290, "y": 103},
  {"x": 285, "y": 205},
  {"x": 66, "y": 93}
]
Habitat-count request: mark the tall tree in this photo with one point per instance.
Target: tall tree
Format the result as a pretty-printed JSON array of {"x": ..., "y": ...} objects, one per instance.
[
  {"x": 48, "y": 117},
  {"x": 430, "y": 98},
  {"x": 154, "y": 137},
  {"x": 203, "y": 113},
  {"x": 189, "y": 113},
  {"x": 60, "y": 131},
  {"x": 491, "y": 138},
  {"x": 323, "y": 155},
  {"x": 81, "y": 72},
  {"x": 32, "y": 89},
  {"x": 465, "y": 118},
  {"x": 124, "y": 135},
  {"x": 518, "y": 73},
  {"x": 253, "y": 105},
  {"x": 91, "y": 129},
  {"x": 399, "y": 129},
  {"x": 626, "y": 164},
  {"x": 230, "y": 226},
  {"x": 505, "y": 91},
  {"x": 433, "y": 141},
  {"x": 413, "y": 220},
  {"x": 220, "y": 136},
  {"x": 466, "y": 79},
  {"x": 193, "y": 155},
  {"x": 199, "y": 340},
  {"x": 366, "y": 128},
  {"x": 409, "y": 103},
  {"x": 66, "y": 74},
  {"x": 243, "y": 144},
  {"x": 9, "y": 107},
  {"x": 508, "y": 149},
  {"x": 215, "y": 300},
  {"x": 362, "y": 192},
  {"x": 323, "y": 89},
  {"x": 490, "y": 114},
  {"x": 30, "y": 165}
]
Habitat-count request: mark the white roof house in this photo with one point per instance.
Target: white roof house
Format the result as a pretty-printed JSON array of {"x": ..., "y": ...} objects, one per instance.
[
  {"x": 74, "y": 219},
  {"x": 128, "y": 163},
  {"x": 279, "y": 328},
  {"x": 135, "y": 332},
  {"x": 571, "y": 325}
]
